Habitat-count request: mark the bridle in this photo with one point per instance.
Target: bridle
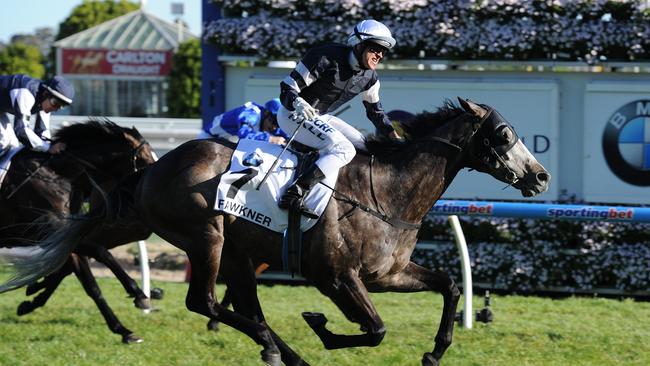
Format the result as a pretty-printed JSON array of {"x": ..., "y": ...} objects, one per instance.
[
  {"x": 134, "y": 155},
  {"x": 495, "y": 150},
  {"x": 83, "y": 162}
]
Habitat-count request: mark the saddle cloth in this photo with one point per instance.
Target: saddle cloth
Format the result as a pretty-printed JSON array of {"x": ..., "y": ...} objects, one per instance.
[
  {"x": 237, "y": 194},
  {"x": 5, "y": 161}
]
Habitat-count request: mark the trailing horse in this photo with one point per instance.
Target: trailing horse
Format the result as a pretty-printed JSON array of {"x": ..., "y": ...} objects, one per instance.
[
  {"x": 348, "y": 252},
  {"x": 41, "y": 190}
]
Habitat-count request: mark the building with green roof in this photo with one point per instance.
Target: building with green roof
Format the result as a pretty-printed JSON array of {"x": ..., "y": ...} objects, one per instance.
[{"x": 120, "y": 67}]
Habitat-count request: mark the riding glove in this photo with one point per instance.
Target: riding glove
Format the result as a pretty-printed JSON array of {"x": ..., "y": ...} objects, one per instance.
[{"x": 304, "y": 109}]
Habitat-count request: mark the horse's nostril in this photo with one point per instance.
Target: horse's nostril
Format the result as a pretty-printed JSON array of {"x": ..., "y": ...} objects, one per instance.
[{"x": 542, "y": 177}]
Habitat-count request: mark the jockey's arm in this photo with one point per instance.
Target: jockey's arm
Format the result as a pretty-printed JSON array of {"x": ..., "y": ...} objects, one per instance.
[
  {"x": 248, "y": 132},
  {"x": 304, "y": 74},
  {"x": 375, "y": 112},
  {"x": 22, "y": 110}
]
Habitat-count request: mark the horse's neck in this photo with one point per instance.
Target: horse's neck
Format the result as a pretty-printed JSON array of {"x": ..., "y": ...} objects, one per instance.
[{"x": 405, "y": 188}]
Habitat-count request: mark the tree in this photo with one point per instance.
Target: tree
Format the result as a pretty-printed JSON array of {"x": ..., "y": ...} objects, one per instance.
[
  {"x": 184, "y": 96},
  {"x": 20, "y": 58},
  {"x": 93, "y": 12},
  {"x": 87, "y": 15}
]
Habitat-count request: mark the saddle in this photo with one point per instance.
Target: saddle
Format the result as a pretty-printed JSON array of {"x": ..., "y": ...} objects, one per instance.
[{"x": 244, "y": 193}]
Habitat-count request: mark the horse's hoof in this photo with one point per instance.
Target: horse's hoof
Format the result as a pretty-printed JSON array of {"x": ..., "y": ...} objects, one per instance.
[
  {"x": 157, "y": 293},
  {"x": 32, "y": 288},
  {"x": 429, "y": 360},
  {"x": 213, "y": 325},
  {"x": 315, "y": 320},
  {"x": 25, "y": 307},
  {"x": 271, "y": 358},
  {"x": 142, "y": 303},
  {"x": 131, "y": 338}
]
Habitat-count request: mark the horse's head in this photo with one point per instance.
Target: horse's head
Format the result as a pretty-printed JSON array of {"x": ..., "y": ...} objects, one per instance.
[
  {"x": 496, "y": 149},
  {"x": 142, "y": 154},
  {"x": 104, "y": 149}
]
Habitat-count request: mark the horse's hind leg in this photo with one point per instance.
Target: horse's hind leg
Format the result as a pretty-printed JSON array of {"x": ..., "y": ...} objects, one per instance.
[
  {"x": 204, "y": 252},
  {"x": 351, "y": 296},
  {"x": 242, "y": 287},
  {"x": 414, "y": 278},
  {"x": 49, "y": 284},
  {"x": 82, "y": 270},
  {"x": 102, "y": 255}
]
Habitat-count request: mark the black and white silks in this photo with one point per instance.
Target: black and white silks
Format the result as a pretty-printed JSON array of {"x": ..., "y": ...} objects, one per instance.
[{"x": 331, "y": 74}]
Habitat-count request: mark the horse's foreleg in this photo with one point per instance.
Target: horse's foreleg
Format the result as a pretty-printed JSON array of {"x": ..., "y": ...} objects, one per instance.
[
  {"x": 102, "y": 255},
  {"x": 415, "y": 278},
  {"x": 82, "y": 270},
  {"x": 242, "y": 289},
  {"x": 49, "y": 284},
  {"x": 205, "y": 255},
  {"x": 351, "y": 296}
]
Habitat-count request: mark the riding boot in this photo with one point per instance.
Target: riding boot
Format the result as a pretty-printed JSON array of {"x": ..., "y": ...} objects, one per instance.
[{"x": 299, "y": 190}]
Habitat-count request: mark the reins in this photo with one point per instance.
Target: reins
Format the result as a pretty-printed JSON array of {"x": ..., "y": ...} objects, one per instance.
[
  {"x": 379, "y": 211},
  {"x": 80, "y": 161},
  {"x": 396, "y": 222},
  {"x": 29, "y": 176}
]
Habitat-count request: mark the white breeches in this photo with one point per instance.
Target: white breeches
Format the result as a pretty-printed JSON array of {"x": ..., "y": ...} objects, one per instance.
[
  {"x": 334, "y": 139},
  {"x": 8, "y": 137}
]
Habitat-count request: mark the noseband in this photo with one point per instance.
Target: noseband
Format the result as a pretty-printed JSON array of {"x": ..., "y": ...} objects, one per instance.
[
  {"x": 494, "y": 121},
  {"x": 134, "y": 155}
]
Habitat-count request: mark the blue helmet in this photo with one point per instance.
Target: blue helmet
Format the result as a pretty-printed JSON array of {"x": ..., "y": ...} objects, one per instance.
[
  {"x": 60, "y": 88},
  {"x": 273, "y": 105}
]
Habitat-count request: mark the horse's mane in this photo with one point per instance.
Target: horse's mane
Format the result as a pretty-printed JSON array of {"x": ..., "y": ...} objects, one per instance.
[
  {"x": 422, "y": 124},
  {"x": 94, "y": 132}
]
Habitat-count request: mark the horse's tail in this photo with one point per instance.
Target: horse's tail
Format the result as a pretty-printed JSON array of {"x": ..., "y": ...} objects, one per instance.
[{"x": 28, "y": 264}]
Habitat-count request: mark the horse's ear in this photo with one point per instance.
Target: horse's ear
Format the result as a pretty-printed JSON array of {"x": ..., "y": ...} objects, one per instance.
[{"x": 471, "y": 107}]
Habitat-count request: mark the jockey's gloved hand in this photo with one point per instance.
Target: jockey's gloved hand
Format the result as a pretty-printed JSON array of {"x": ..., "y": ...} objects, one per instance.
[
  {"x": 395, "y": 137},
  {"x": 304, "y": 109}
]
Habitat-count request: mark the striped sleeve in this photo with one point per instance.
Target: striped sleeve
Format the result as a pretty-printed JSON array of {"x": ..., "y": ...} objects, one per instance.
[
  {"x": 304, "y": 74},
  {"x": 371, "y": 95}
]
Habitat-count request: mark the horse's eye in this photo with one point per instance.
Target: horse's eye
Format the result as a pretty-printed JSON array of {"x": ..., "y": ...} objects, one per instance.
[{"x": 506, "y": 134}]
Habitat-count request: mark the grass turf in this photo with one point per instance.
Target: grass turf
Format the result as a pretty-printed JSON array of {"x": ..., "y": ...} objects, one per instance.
[{"x": 527, "y": 331}]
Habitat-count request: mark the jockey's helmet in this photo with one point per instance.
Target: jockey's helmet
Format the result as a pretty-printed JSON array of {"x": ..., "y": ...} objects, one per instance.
[
  {"x": 273, "y": 105},
  {"x": 60, "y": 88},
  {"x": 370, "y": 30}
]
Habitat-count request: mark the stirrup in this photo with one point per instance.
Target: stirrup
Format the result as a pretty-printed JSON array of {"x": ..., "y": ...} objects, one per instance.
[{"x": 295, "y": 194}]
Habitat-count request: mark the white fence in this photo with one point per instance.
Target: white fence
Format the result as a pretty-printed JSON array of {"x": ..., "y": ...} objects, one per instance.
[{"x": 163, "y": 134}]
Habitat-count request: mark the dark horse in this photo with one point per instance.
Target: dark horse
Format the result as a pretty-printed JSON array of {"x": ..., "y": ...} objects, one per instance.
[
  {"x": 41, "y": 190},
  {"x": 348, "y": 252}
]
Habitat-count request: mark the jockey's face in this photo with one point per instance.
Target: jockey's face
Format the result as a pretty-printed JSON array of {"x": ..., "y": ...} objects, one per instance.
[
  {"x": 51, "y": 104},
  {"x": 372, "y": 55},
  {"x": 269, "y": 123}
]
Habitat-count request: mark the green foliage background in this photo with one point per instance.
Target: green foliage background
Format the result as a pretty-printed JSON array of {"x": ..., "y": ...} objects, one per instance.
[
  {"x": 184, "y": 95},
  {"x": 86, "y": 15},
  {"x": 20, "y": 58}
]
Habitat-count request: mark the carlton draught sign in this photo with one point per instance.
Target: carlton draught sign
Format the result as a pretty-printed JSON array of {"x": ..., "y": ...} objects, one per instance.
[{"x": 116, "y": 62}]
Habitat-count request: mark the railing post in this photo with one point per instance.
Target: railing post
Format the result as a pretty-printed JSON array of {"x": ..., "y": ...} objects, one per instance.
[{"x": 466, "y": 270}]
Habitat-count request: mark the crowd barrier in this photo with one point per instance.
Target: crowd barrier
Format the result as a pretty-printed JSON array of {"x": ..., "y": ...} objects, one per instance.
[{"x": 540, "y": 211}]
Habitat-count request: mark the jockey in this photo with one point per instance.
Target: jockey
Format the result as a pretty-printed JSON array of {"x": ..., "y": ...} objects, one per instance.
[
  {"x": 249, "y": 121},
  {"x": 325, "y": 78},
  {"x": 22, "y": 97}
]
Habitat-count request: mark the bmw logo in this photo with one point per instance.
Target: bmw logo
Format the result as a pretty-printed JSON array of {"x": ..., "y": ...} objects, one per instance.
[{"x": 626, "y": 143}]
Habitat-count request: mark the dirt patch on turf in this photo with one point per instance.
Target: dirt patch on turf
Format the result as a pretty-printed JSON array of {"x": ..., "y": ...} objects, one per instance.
[{"x": 166, "y": 262}]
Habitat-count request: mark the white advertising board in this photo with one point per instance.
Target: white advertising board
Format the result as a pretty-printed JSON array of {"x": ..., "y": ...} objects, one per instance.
[
  {"x": 617, "y": 142},
  {"x": 530, "y": 106}
]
